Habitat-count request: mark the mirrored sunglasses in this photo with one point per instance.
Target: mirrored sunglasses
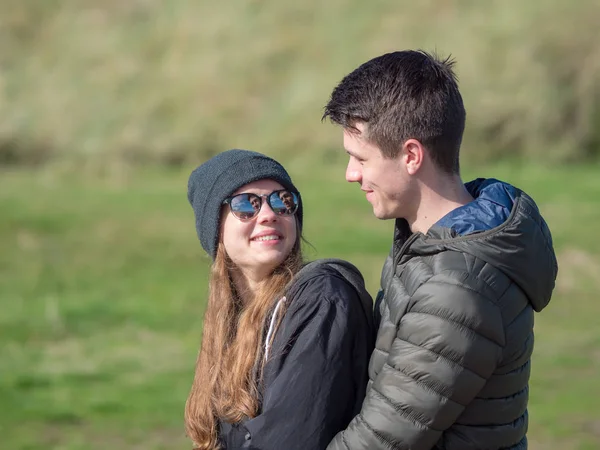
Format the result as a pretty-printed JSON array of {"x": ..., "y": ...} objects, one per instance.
[{"x": 247, "y": 206}]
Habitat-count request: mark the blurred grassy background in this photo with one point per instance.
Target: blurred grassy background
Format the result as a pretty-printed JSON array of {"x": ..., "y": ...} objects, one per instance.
[
  {"x": 106, "y": 106},
  {"x": 105, "y": 82}
]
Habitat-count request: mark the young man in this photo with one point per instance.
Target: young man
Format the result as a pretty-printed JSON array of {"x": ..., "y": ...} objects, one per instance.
[{"x": 469, "y": 265}]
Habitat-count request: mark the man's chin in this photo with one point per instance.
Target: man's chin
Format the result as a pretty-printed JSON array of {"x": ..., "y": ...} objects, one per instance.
[{"x": 381, "y": 215}]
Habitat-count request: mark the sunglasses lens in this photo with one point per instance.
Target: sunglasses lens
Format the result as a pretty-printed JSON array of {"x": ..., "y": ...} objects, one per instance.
[
  {"x": 245, "y": 206},
  {"x": 283, "y": 202}
]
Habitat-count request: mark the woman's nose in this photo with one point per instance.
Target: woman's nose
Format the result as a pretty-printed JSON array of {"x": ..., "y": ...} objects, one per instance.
[{"x": 266, "y": 214}]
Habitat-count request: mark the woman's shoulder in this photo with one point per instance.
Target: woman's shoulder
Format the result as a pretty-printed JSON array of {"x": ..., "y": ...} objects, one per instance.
[{"x": 328, "y": 280}]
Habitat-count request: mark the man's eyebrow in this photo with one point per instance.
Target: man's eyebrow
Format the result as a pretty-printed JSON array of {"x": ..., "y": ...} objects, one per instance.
[{"x": 353, "y": 154}]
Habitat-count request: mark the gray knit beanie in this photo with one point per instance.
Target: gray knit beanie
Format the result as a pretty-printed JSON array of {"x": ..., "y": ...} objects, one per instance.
[{"x": 219, "y": 177}]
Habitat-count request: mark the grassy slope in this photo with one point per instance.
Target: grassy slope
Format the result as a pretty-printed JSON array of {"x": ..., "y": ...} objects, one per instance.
[
  {"x": 102, "y": 286},
  {"x": 102, "y": 281}
]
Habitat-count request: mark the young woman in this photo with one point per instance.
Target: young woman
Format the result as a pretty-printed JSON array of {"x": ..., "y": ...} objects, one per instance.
[{"x": 285, "y": 346}]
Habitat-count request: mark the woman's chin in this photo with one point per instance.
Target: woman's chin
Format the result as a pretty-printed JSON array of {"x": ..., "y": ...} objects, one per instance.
[{"x": 269, "y": 261}]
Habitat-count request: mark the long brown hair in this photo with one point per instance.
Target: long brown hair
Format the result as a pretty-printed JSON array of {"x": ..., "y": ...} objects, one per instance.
[{"x": 226, "y": 382}]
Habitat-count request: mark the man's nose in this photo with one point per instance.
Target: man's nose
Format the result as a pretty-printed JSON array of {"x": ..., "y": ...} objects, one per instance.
[{"x": 353, "y": 172}]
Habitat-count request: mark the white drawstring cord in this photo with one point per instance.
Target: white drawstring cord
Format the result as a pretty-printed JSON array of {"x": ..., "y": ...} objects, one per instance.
[{"x": 272, "y": 327}]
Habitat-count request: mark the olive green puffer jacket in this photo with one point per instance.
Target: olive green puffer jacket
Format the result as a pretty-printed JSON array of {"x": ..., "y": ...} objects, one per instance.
[{"x": 452, "y": 360}]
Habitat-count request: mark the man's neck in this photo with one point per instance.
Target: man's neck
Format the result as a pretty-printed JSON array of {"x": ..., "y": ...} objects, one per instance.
[{"x": 437, "y": 200}]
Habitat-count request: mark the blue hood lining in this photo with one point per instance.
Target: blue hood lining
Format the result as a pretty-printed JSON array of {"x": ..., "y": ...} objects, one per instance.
[{"x": 491, "y": 207}]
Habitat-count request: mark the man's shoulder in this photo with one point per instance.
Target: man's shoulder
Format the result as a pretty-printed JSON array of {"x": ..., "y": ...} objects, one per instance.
[{"x": 454, "y": 268}]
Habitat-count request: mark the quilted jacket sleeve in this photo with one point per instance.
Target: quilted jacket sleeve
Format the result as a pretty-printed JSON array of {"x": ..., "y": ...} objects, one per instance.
[{"x": 447, "y": 345}]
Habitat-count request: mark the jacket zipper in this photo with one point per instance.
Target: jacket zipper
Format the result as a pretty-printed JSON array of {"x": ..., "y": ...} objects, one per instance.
[
  {"x": 397, "y": 257},
  {"x": 404, "y": 247}
]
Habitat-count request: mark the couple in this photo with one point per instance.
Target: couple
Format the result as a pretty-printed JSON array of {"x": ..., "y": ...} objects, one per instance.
[{"x": 294, "y": 356}]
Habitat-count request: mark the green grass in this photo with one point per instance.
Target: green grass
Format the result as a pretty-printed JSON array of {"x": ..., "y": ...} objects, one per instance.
[
  {"x": 102, "y": 281},
  {"x": 102, "y": 288}
]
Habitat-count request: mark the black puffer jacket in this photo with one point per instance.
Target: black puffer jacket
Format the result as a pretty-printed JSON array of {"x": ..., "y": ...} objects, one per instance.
[
  {"x": 451, "y": 366},
  {"x": 316, "y": 373}
]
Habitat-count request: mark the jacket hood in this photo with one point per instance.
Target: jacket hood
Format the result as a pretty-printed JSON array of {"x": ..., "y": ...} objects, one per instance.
[
  {"x": 503, "y": 227},
  {"x": 346, "y": 270}
]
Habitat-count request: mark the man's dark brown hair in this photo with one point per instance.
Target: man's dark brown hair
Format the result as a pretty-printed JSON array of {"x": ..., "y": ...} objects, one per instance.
[{"x": 404, "y": 95}]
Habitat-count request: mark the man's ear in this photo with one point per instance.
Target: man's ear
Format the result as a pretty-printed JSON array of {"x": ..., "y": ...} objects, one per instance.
[{"x": 413, "y": 154}]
